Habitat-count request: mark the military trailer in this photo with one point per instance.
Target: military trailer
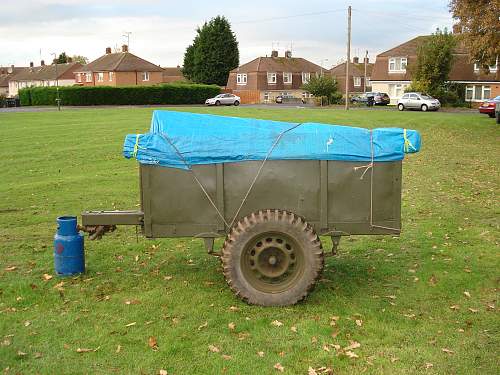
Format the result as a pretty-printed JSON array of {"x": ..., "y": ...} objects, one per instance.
[{"x": 269, "y": 188}]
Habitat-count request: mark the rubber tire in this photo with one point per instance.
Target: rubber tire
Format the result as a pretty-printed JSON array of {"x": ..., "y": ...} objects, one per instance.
[
  {"x": 236, "y": 103},
  {"x": 217, "y": 103},
  {"x": 498, "y": 117},
  {"x": 272, "y": 220},
  {"x": 492, "y": 115},
  {"x": 401, "y": 107},
  {"x": 424, "y": 108}
]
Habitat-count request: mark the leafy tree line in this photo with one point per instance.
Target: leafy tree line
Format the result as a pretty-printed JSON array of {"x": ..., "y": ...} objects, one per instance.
[{"x": 213, "y": 53}]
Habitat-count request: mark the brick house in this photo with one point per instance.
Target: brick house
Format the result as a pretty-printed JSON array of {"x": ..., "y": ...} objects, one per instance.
[
  {"x": 43, "y": 75},
  {"x": 392, "y": 72},
  {"x": 264, "y": 78},
  {"x": 119, "y": 69},
  {"x": 6, "y": 73},
  {"x": 172, "y": 75},
  {"x": 356, "y": 76}
]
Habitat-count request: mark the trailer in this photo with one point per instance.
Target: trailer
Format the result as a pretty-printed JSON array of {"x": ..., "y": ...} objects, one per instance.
[{"x": 271, "y": 199}]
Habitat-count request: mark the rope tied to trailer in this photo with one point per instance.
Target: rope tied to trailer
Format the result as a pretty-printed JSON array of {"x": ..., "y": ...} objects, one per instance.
[
  {"x": 407, "y": 144},
  {"x": 136, "y": 145}
]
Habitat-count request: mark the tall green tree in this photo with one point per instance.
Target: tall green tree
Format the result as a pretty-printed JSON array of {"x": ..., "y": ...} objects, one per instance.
[
  {"x": 213, "y": 54},
  {"x": 434, "y": 62},
  {"x": 61, "y": 59},
  {"x": 479, "y": 23}
]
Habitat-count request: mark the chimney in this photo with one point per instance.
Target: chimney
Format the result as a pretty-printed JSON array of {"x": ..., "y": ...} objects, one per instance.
[
  {"x": 457, "y": 29},
  {"x": 274, "y": 53},
  {"x": 124, "y": 48},
  {"x": 42, "y": 63},
  {"x": 355, "y": 60},
  {"x": 288, "y": 54},
  {"x": 366, "y": 60},
  {"x": 31, "y": 64},
  {"x": 10, "y": 69},
  {"x": 108, "y": 50}
]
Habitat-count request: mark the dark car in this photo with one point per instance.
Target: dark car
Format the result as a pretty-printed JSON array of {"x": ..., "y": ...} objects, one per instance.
[
  {"x": 288, "y": 99},
  {"x": 497, "y": 112},
  {"x": 488, "y": 106},
  {"x": 369, "y": 98}
]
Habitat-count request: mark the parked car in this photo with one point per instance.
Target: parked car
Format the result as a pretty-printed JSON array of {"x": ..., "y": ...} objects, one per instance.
[
  {"x": 418, "y": 100},
  {"x": 379, "y": 98},
  {"x": 224, "y": 99},
  {"x": 488, "y": 106},
  {"x": 497, "y": 112},
  {"x": 288, "y": 99}
]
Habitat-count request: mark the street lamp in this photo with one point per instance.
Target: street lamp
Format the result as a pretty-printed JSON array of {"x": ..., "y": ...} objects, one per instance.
[{"x": 58, "y": 100}]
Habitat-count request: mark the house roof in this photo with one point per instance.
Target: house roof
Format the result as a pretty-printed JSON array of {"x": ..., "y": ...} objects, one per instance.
[
  {"x": 169, "y": 72},
  {"x": 120, "y": 62},
  {"x": 45, "y": 72},
  {"x": 278, "y": 64},
  {"x": 6, "y": 73},
  {"x": 355, "y": 69}
]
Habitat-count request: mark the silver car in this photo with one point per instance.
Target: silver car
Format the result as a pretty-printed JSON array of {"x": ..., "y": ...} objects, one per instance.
[
  {"x": 223, "y": 99},
  {"x": 417, "y": 100}
]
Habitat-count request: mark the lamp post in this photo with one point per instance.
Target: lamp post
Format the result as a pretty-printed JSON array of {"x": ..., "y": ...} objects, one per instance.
[{"x": 58, "y": 100}]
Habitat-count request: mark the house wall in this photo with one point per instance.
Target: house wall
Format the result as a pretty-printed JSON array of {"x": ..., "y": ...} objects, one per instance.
[
  {"x": 122, "y": 79},
  {"x": 14, "y": 86},
  {"x": 395, "y": 89}
]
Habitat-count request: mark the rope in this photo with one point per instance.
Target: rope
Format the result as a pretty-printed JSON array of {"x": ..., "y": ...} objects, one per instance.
[
  {"x": 136, "y": 146},
  {"x": 407, "y": 144}
]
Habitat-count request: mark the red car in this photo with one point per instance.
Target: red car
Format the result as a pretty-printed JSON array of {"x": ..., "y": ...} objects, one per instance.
[{"x": 488, "y": 107}]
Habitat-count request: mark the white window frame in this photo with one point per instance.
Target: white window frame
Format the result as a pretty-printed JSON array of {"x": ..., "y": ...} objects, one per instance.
[
  {"x": 493, "y": 68},
  {"x": 471, "y": 90},
  {"x": 241, "y": 79},
  {"x": 306, "y": 77},
  {"x": 266, "y": 97},
  {"x": 287, "y": 78},
  {"x": 78, "y": 77},
  {"x": 145, "y": 76},
  {"x": 88, "y": 77},
  {"x": 271, "y": 78},
  {"x": 357, "y": 81},
  {"x": 110, "y": 76},
  {"x": 100, "y": 77},
  {"x": 396, "y": 64}
]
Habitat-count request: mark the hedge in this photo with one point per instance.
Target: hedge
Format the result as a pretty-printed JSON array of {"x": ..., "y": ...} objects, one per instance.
[{"x": 108, "y": 95}]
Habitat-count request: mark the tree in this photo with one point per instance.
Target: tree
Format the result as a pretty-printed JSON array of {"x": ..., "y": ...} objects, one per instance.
[
  {"x": 434, "y": 62},
  {"x": 213, "y": 54},
  {"x": 80, "y": 59},
  {"x": 62, "y": 59},
  {"x": 323, "y": 86},
  {"x": 479, "y": 23}
]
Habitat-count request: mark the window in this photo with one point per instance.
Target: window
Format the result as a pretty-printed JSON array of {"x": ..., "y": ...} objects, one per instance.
[
  {"x": 357, "y": 81},
  {"x": 241, "y": 79},
  {"x": 477, "y": 92},
  {"x": 406, "y": 96},
  {"x": 88, "y": 77},
  {"x": 396, "y": 90},
  {"x": 306, "y": 77},
  {"x": 271, "y": 78},
  {"x": 368, "y": 82},
  {"x": 397, "y": 64},
  {"x": 493, "y": 68},
  {"x": 78, "y": 77},
  {"x": 110, "y": 76},
  {"x": 287, "y": 78},
  {"x": 100, "y": 77},
  {"x": 266, "y": 97},
  {"x": 145, "y": 76}
]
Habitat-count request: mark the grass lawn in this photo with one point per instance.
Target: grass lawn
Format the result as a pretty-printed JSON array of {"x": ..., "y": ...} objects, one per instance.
[{"x": 425, "y": 302}]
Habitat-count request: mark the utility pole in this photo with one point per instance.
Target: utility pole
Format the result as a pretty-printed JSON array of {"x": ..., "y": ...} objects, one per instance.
[
  {"x": 348, "y": 58},
  {"x": 58, "y": 100},
  {"x": 366, "y": 63}
]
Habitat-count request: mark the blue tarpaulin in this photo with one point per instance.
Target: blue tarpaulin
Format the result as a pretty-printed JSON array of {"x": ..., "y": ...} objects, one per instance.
[{"x": 183, "y": 139}]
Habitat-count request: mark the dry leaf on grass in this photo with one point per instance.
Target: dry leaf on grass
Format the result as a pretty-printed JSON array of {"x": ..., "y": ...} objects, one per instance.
[
  {"x": 279, "y": 367},
  {"x": 204, "y": 325},
  {"x": 132, "y": 302},
  {"x": 351, "y": 354},
  {"x": 394, "y": 359},
  {"x": 314, "y": 340},
  {"x": 260, "y": 354},
  {"x": 234, "y": 309},
  {"x": 153, "y": 343},
  {"x": 433, "y": 280},
  {"x": 11, "y": 268},
  {"x": 38, "y": 355},
  {"x": 352, "y": 345},
  {"x": 85, "y": 350},
  {"x": 118, "y": 349},
  {"x": 447, "y": 351},
  {"x": 47, "y": 277},
  {"x": 311, "y": 371},
  {"x": 231, "y": 326},
  {"x": 326, "y": 348},
  {"x": 213, "y": 349},
  {"x": 163, "y": 372},
  {"x": 455, "y": 307},
  {"x": 473, "y": 310},
  {"x": 131, "y": 324},
  {"x": 359, "y": 322},
  {"x": 428, "y": 365},
  {"x": 226, "y": 357},
  {"x": 27, "y": 323},
  {"x": 293, "y": 329},
  {"x": 276, "y": 323},
  {"x": 467, "y": 294}
]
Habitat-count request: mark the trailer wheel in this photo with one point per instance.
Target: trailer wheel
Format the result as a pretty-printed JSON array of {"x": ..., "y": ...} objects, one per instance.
[{"x": 272, "y": 258}]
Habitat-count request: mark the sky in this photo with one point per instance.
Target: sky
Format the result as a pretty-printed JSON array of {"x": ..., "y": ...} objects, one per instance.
[{"x": 162, "y": 29}]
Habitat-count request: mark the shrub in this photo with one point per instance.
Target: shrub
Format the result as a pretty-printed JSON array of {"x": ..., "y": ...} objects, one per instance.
[{"x": 108, "y": 95}]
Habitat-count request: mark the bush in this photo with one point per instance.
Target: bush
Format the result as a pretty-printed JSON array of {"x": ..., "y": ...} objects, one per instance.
[{"x": 108, "y": 95}]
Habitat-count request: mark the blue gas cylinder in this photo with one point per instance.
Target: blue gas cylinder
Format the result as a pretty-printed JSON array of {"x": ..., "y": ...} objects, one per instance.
[{"x": 69, "y": 258}]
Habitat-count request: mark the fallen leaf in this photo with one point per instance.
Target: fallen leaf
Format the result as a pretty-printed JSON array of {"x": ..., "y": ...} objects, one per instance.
[
  {"x": 467, "y": 270},
  {"x": 153, "y": 343},
  {"x": 168, "y": 278},
  {"x": 131, "y": 324},
  {"x": 455, "y": 307},
  {"x": 335, "y": 346},
  {"x": 473, "y": 310},
  {"x": 226, "y": 357},
  {"x": 279, "y": 367},
  {"x": 84, "y": 350},
  {"x": 47, "y": 277},
  {"x": 260, "y": 354},
  {"x": 311, "y": 371},
  {"x": 231, "y": 326},
  {"x": 59, "y": 286},
  {"x": 467, "y": 294},
  {"x": 359, "y": 322},
  {"x": 394, "y": 359},
  {"x": 411, "y": 316},
  {"x": 433, "y": 280},
  {"x": 326, "y": 348},
  {"x": 21, "y": 354},
  {"x": 447, "y": 351},
  {"x": 163, "y": 372},
  {"x": 393, "y": 297},
  {"x": 132, "y": 302},
  {"x": 11, "y": 268},
  {"x": 204, "y": 325},
  {"x": 351, "y": 354},
  {"x": 281, "y": 354},
  {"x": 234, "y": 308},
  {"x": 6, "y": 342},
  {"x": 314, "y": 340},
  {"x": 27, "y": 323},
  {"x": 490, "y": 306},
  {"x": 293, "y": 329},
  {"x": 118, "y": 349},
  {"x": 276, "y": 323},
  {"x": 213, "y": 349},
  {"x": 38, "y": 355},
  {"x": 428, "y": 365},
  {"x": 352, "y": 345}
]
